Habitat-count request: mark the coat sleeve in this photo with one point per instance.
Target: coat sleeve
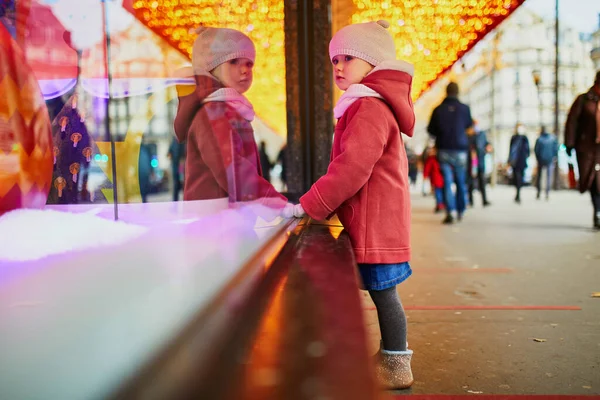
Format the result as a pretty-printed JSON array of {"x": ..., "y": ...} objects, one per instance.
[
  {"x": 220, "y": 145},
  {"x": 572, "y": 121},
  {"x": 362, "y": 144},
  {"x": 510, "y": 146}
]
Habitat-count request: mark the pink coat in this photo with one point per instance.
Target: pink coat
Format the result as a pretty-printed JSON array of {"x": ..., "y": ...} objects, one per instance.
[{"x": 367, "y": 179}]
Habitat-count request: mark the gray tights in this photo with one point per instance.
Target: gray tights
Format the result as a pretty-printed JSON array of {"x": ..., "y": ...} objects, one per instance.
[{"x": 392, "y": 319}]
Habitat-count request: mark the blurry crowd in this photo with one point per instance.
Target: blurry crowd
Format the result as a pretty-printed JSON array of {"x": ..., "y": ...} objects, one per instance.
[{"x": 456, "y": 165}]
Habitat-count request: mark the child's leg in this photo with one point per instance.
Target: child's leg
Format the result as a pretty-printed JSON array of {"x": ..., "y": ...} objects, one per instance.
[{"x": 392, "y": 319}]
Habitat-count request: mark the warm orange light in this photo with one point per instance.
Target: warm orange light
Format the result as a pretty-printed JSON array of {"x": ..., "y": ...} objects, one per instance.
[
  {"x": 433, "y": 34},
  {"x": 261, "y": 20}
]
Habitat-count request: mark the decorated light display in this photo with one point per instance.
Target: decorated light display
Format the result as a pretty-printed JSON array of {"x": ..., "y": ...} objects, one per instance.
[
  {"x": 87, "y": 153},
  {"x": 75, "y": 138},
  {"x": 432, "y": 34},
  {"x": 261, "y": 20},
  {"x": 59, "y": 184},
  {"x": 73, "y": 151}
]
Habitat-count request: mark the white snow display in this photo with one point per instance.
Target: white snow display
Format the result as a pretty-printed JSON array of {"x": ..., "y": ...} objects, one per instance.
[{"x": 27, "y": 234}]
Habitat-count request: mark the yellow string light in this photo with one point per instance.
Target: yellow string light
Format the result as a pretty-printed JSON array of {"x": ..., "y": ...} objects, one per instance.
[
  {"x": 431, "y": 34},
  {"x": 261, "y": 20}
]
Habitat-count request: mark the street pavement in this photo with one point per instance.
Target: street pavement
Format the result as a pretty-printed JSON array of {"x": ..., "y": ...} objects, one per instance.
[{"x": 502, "y": 302}]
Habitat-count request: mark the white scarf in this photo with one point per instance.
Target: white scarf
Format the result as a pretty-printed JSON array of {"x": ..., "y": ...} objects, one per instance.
[
  {"x": 233, "y": 98},
  {"x": 353, "y": 93}
]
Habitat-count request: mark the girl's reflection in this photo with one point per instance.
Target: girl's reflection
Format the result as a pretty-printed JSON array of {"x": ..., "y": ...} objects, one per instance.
[{"x": 222, "y": 156}]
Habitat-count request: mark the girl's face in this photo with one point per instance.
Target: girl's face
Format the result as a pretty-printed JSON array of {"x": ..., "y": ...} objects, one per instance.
[
  {"x": 348, "y": 70},
  {"x": 235, "y": 74}
]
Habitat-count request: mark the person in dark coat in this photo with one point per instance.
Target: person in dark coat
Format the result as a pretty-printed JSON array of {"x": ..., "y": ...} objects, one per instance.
[
  {"x": 478, "y": 148},
  {"x": 546, "y": 153},
  {"x": 265, "y": 162},
  {"x": 517, "y": 158},
  {"x": 282, "y": 159},
  {"x": 145, "y": 171},
  {"x": 448, "y": 125},
  {"x": 176, "y": 154},
  {"x": 582, "y": 133},
  {"x": 413, "y": 167}
]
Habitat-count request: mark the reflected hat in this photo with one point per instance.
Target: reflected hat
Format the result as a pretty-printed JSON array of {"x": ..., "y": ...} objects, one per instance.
[
  {"x": 370, "y": 42},
  {"x": 214, "y": 46}
]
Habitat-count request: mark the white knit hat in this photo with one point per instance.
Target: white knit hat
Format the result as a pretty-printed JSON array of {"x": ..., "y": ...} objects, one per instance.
[
  {"x": 370, "y": 42},
  {"x": 214, "y": 46}
]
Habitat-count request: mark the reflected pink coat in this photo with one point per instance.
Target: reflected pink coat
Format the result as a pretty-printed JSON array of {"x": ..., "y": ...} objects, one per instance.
[{"x": 222, "y": 156}]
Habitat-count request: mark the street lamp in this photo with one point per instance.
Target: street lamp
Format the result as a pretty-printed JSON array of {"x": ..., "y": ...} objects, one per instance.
[{"x": 537, "y": 79}]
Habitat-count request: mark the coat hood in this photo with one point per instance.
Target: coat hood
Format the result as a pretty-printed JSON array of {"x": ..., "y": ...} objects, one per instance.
[
  {"x": 191, "y": 103},
  {"x": 393, "y": 81}
]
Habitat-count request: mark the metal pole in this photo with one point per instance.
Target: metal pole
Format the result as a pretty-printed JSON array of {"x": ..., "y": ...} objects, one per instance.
[
  {"x": 556, "y": 82},
  {"x": 304, "y": 15},
  {"x": 494, "y": 133},
  {"x": 107, "y": 61}
]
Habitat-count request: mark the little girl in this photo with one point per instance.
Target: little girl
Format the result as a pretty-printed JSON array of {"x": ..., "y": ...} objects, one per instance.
[
  {"x": 214, "y": 121},
  {"x": 432, "y": 170},
  {"x": 367, "y": 180}
]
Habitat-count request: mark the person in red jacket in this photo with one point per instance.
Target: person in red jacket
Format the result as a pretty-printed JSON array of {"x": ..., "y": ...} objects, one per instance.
[
  {"x": 214, "y": 120},
  {"x": 432, "y": 171},
  {"x": 366, "y": 182}
]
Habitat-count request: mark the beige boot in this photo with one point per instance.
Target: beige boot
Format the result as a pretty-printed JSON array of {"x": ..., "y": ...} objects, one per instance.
[{"x": 393, "y": 369}]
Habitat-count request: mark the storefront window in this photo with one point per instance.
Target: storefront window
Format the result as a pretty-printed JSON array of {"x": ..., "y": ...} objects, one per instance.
[{"x": 110, "y": 74}]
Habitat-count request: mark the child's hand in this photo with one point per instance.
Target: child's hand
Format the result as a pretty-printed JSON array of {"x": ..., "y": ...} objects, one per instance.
[
  {"x": 290, "y": 211},
  {"x": 299, "y": 211}
]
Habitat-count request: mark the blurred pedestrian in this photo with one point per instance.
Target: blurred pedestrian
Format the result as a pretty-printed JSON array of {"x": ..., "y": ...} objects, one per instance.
[
  {"x": 582, "y": 133},
  {"x": 413, "y": 167},
  {"x": 432, "y": 171},
  {"x": 448, "y": 125},
  {"x": 424, "y": 156},
  {"x": 478, "y": 148},
  {"x": 176, "y": 154},
  {"x": 546, "y": 153},
  {"x": 265, "y": 162},
  {"x": 282, "y": 160},
  {"x": 517, "y": 158},
  {"x": 145, "y": 171}
]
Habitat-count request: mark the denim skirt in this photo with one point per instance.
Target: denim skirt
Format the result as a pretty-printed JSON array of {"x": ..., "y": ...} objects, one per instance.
[{"x": 383, "y": 276}]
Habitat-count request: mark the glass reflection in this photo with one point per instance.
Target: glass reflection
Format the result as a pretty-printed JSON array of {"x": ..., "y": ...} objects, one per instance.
[{"x": 214, "y": 119}]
